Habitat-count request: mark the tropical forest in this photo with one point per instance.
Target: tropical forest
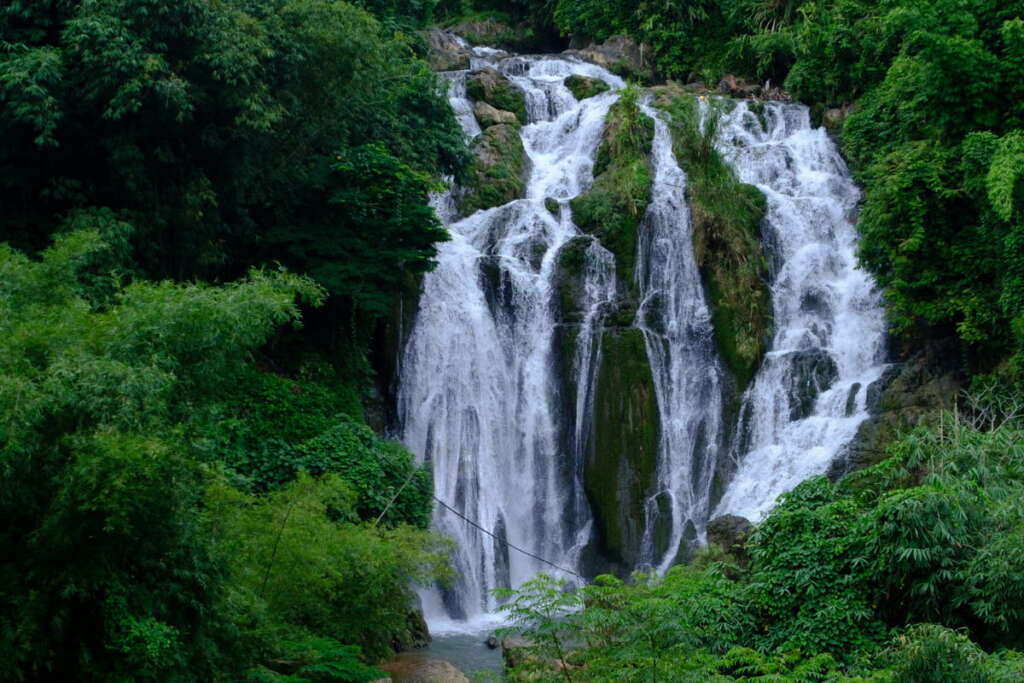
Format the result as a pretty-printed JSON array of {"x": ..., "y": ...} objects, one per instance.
[{"x": 511, "y": 340}]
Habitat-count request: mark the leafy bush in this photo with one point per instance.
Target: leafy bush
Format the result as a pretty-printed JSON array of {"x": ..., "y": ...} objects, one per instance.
[
  {"x": 841, "y": 577},
  {"x": 300, "y": 564}
]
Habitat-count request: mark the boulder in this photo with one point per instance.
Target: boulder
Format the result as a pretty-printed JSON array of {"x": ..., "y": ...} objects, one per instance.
[
  {"x": 413, "y": 667},
  {"x": 514, "y": 651},
  {"x": 487, "y": 85},
  {"x": 489, "y": 116},
  {"x": 445, "y": 50},
  {"x": 834, "y": 117},
  {"x": 621, "y": 55},
  {"x": 813, "y": 371},
  {"x": 731, "y": 533},
  {"x": 490, "y": 33}
]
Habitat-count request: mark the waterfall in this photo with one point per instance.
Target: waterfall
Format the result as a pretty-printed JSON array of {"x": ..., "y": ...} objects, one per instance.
[
  {"x": 676, "y": 322},
  {"x": 491, "y": 401},
  {"x": 809, "y": 397},
  {"x": 478, "y": 398}
]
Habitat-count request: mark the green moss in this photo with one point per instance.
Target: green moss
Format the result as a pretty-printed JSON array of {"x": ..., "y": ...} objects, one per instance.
[
  {"x": 614, "y": 205},
  {"x": 491, "y": 87},
  {"x": 583, "y": 87},
  {"x": 551, "y": 205},
  {"x": 497, "y": 173},
  {"x": 621, "y": 468},
  {"x": 568, "y": 281},
  {"x": 726, "y": 216}
]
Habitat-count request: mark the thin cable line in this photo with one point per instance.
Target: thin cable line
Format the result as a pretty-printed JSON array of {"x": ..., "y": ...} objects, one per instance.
[{"x": 504, "y": 542}]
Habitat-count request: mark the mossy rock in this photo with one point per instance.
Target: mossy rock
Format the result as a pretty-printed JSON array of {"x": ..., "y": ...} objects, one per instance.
[
  {"x": 487, "y": 85},
  {"x": 620, "y": 472},
  {"x": 615, "y": 204},
  {"x": 551, "y": 204},
  {"x": 726, "y": 219},
  {"x": 497, "y": 174},
  {"x": 568, "y": 278},
  {"x": 583, "y": 87},
  {"x": 488, "y": 116}
]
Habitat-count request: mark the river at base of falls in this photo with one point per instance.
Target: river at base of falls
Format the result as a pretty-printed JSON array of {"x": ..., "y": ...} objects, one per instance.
[{"x": 478, "y": 393}]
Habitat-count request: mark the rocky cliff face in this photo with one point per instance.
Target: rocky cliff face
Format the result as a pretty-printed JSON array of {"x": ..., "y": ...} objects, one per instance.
[{"x": 911, "y": 392}]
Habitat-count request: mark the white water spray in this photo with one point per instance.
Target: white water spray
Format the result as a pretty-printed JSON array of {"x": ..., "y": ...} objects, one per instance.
[
  {"x": 808, "y": 398},
  {"x": 478, "y": 396}
]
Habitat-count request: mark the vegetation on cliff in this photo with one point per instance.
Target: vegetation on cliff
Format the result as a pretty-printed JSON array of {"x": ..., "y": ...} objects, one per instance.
[
  {"x": 497, "y": 171},
  {"x": 726, "y": 216},
  {"x": 615, "y": 204},
  {"x": 496, "y": 175},
  {"x": 583, "y": 87}
]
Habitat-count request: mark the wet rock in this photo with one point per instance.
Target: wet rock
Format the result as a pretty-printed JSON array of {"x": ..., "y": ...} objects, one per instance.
[
  {"x": 851, "y": 400},
  {"x": 551, "y": 204},
  {"x": 445, "y": 52},
  {"x": 497, "y": 286},
  {"x": 907, "y": 394},
  {"x": 620, "y": 55},
  {"x": 487, "y": 85},
  {"x": 412, "y": 667},
  {"x": 583, "y": 87},
  {"x": 488, "y": 116},
  {"x": 813, "y": 371},
  {"x": 492, "y": 642},
  {"x": 389, "y": 336},
  {"x": 417, "y": 630},
  {"x": 731, "y": 533}
]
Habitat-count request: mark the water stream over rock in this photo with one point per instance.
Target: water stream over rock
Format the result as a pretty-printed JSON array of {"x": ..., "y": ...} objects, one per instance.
[{"x": 501, "y": 405}]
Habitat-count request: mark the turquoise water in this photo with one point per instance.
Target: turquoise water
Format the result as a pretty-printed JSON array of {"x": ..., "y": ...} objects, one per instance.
[{"x": 469, "y": 653}]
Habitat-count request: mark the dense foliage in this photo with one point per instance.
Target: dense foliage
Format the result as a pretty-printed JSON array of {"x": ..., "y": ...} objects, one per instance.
[
  {"x": 187, "y": 487},
  {"x": 895, "y": 573},
  {"x": 133, "y": 550},
  {"x": 228, "y": 134}
]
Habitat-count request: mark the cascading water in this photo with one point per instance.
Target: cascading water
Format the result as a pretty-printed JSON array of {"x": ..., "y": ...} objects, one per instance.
[
  {"x": 680, "y": 346},
  {"x": 482, "y": 398},
  {"x": 809, "y": 396},
  {"x": 478, "y": 397}
]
